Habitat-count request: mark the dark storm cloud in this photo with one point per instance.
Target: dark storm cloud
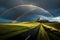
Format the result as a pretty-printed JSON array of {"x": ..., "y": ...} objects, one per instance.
[
  {"x": 2, "y": 9},
  {"x": 55, "y": 12},
  {"x": 9, "y": 3},
  {"x": 50, "y": 5},
  {"x": 43, "y": 3}
]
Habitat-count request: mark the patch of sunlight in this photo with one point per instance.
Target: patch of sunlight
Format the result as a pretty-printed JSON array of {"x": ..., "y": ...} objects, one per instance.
[
  {"x": 55, "y": 25},
  {"x": 33, "y": 24},
  {"x": 42, "y": 35},
  {"x": 27, "y": 24},
  {"x": 51, "y": 28}
]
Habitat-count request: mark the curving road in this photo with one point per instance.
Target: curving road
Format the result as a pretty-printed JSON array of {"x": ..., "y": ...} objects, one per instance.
[{"x": 41, "y": 32}]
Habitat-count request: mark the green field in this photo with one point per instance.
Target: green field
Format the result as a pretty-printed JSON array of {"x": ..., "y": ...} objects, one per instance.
[
  {"x": 55, "y": 25},
  {"x": 42, "y": 35},
  {"x": 11, "y": 29}
]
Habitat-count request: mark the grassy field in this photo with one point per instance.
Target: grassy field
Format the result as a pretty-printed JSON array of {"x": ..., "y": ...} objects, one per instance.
[
  {"x": 11, "y": 29},
  {"x": 55, "y": 25},
  {"x": 42, "y": 35}
]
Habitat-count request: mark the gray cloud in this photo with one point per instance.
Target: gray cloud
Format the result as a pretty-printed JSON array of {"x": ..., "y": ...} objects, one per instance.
[{"x": 51, "y": 5}]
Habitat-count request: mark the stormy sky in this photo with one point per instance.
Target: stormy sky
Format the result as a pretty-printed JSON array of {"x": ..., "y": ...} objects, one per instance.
[{"x": 53, "y": 6}]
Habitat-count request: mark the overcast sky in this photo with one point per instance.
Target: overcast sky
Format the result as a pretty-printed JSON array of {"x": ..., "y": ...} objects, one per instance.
[{"x": 53, "y": 6}]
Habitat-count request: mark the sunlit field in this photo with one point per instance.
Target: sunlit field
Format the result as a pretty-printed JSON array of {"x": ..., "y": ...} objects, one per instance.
[
  {"x": 11, "y": 29},
  {"x": 55, "y": 25},
  {"x": 47, "y": 31},
  {"x": 42, "y": 35}
]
